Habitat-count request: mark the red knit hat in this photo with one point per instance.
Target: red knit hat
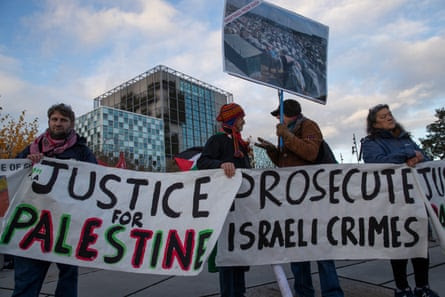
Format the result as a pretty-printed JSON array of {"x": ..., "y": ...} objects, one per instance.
[{"x": 229, "y": 113}]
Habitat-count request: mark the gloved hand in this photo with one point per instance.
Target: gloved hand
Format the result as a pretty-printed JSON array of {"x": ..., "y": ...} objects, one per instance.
[
  {"x": 262, "y": 143},
  {"x": 283, "y": 131}
]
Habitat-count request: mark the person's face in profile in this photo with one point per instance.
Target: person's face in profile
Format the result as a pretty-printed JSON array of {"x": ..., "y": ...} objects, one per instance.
[
  {"x": 239, "y": 124},
  {"x": 286, "y": 120},
  {"x": 384, "y": 120}
]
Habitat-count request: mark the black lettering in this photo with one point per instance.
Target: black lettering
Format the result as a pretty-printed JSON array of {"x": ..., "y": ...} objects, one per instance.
[
  {"x": 378, "y": 227},
  {"x": 306, "y": 187},
  {"x": 167, "y": 209},
  {"x": 156, "y": 248},
  {"x": 376, "y": 189},
  {"x": 361, "y": 226},
  {"x": 300, "y": 226},
  {"x": 423, "y": 172},
  {"x": 264, "y": 228},
  {"x": 24, "y": 216},
  {"x": 119, "y": 246},
  {"x": 156, "y": 196},
  {"x": 407, "y": 186},
  {"x": 289, "y": 233},
  {"x": 134, "y": 196},
  {"x": 116, "y": 215},
  {"x": 175, "y": 249},
  {"x": 90, "y": 186},
  {"x": 141, "y": 236},
  {"x": 436, "y": 179},
  {"x": 317, "y": 187},
  {"x": 330, "y": 231},
  {"x": 395, "y": 233},
  {"x": 345, "y": 184},
  {"x": 333, "y": 189},
  {"x": 125, "y": 218},
  {"x": 314, "y": 232},
  {"x": 416, "y": 237},
  {"x": 389, "y": 173},
  {"x": 137, "y": 219},
  {"x": 249, "y": 179},
  {"x": 103, "y": 187},
  {"x": 197, "y": 196},
  {"x": 231, "y": 237},
  {"x": 265, "y": 193},
  {"x": 247, "y": 233},
  {"x": 201, "y": 247},
  {"x": 88, "y": 238},
  {"x": 61, "y": 247},
  {"x": 347, "y": 226},
  {"x": 45, "y": 189},
  {"x": 277, "y": 235},
  {"x": 41, "y": 232}
]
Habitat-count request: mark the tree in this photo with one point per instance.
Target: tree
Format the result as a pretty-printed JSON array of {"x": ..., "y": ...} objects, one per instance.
[
  {"x": 434, "y": 143},
  {"x": 15, "y": 135}
]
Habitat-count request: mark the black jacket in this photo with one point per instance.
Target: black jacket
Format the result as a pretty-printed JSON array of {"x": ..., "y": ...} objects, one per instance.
[
  {"x": 219, "y": 149},
  {"x": 79, "y": 151}
]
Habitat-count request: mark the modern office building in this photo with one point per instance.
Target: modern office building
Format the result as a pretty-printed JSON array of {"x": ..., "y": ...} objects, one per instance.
[
  {"x": 110, "y": 131},
  {"x": 187, "y": 106},
  {"x": 261, "y": 159}
]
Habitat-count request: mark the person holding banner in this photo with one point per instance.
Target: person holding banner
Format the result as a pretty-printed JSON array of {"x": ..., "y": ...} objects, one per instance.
[
  {"x": 227, "y": 150},
  {"x": 62, "y": 142},
  {"x": 388, "y": 142},
  {"x": 301, "y": 143}
]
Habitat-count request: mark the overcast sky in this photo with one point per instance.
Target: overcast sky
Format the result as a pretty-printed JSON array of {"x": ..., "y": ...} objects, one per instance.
[{"x": 71, "y": 51}]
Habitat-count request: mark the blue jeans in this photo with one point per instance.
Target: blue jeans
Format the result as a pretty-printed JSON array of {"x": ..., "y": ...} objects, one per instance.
[
  {"x": 231, "y": 281},
  {"x": 29, "y": 275},
  {"x": 330, "y": 286}
]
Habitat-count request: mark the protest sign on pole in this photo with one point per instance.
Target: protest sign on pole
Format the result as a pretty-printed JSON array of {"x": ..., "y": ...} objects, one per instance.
[{"x": 275, "y": 47}]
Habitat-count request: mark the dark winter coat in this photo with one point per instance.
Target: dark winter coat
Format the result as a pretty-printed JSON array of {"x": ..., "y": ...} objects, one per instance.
[
  {"x": 219, "y": 149},
  {"x": 79, "y": 151},
  {"x": 384, "y": 147}
]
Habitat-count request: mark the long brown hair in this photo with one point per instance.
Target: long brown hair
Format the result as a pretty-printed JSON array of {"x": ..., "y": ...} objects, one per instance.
[{"x": 371, "y": 119}]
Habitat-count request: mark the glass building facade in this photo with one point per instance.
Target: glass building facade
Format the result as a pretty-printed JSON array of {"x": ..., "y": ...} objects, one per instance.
[
  {"x": 110, "y": 131},
  {"x": 188, "y": 107},
  {"x": 261, "y": 159}
]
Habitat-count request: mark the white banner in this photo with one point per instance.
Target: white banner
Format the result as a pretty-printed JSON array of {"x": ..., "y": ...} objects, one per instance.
[
  {"x": 430, "y": 178},
  {"x": 9, "y": 167},
  {"x": 331, "y": 212},
  {"x": 89, "y": 215},
  {"x": 167, "y": 223}
]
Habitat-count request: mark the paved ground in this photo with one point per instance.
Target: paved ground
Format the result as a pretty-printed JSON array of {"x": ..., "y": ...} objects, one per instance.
[{"x": 368, "y": 278}]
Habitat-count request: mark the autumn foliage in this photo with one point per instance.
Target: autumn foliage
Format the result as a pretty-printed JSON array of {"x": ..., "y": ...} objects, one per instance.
[{"x": 15, "y": 135}]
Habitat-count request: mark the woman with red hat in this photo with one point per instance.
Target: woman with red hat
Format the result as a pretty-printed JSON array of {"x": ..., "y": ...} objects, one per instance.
[{"x": 227, "y": 150}]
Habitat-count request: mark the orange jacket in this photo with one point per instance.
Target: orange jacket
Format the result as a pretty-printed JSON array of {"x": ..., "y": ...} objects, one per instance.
[{"x": 301, "y": 147}]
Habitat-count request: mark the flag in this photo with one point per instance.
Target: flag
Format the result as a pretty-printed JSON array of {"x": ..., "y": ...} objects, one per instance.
[
  {"x": 121, "y": 163},
  {"x": 187, "y": 159}
]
